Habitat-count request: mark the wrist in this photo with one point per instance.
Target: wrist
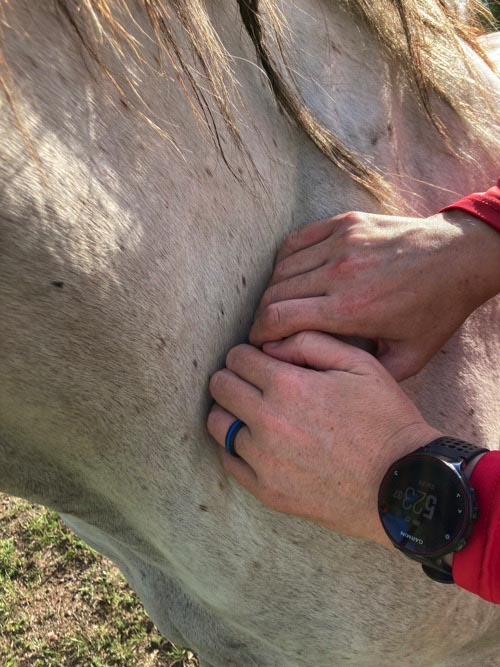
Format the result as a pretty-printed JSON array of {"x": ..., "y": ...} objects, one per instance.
[
  {"x": 411, "y": 437},
  {"x": 468, "y": 470},
  {"x": 477, "y": 254}
]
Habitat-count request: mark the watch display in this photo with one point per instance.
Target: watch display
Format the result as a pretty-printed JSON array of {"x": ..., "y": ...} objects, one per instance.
[{"x": 424, "y": 506}]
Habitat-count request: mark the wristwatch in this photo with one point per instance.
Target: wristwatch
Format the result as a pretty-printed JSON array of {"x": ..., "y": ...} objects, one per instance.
[{"x": 427, "y": 505}]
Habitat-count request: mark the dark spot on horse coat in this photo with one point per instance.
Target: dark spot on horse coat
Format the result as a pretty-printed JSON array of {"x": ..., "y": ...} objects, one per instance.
[
  {"x": 208, "y": 171},
  {"x": 389, "y": 129},
  {"x": 275, "y": 142},
  {"x": 32, "y": 62},
  {"x": 244, "y": 281},
  {"x": 162, "y": 343},
  {"x": 203, "y": 508},
  {"x": 123, "y": 103},
  {"x": 57, "y": 283},
  {"x": 195, "y": 363},
  {"x": 471, "y": 411},
  {"x": 122, "y": 247}
]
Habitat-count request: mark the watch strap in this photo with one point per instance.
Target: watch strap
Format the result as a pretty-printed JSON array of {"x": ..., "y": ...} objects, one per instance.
[
  {"x": 439, "y": 572},
  {"x": 453, "y": 448}
]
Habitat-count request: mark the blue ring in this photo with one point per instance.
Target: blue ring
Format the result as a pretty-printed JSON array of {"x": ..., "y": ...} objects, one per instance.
[{"x": 231, "y": 436}]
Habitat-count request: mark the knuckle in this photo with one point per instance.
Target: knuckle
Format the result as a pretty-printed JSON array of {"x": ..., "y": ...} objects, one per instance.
[
  {"x": 233, "y": 354},
  {"x": 356, "y": 217},
  {"x": 272, "y": 316},
  {"x": 350, "y": 228},
  {"x": 352, "y": 218},
  {"x": 269, "y": 295},
  {"x": 274, "y": 377},
  {"x": 287, "y": 382},
  {"x": 216, "y": 381}
]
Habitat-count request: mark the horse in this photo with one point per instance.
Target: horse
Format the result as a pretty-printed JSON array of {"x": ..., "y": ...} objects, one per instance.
[{"x": 153, "y": 158}]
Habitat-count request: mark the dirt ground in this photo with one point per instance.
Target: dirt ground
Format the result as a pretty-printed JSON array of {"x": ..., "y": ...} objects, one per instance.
[{"x": 62, "y": 604}]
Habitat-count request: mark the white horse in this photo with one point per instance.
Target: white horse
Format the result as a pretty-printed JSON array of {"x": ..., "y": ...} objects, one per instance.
[{"x": 133, "y": 250}]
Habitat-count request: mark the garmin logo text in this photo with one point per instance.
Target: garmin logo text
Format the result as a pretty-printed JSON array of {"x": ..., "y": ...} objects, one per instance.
[{"x": 411, "y": 537}]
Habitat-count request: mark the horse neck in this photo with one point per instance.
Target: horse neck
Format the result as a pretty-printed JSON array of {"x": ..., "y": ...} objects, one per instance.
[{"x": 135, "y": 265}]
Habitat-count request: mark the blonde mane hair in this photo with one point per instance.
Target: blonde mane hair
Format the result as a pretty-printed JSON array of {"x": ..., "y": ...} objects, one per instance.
[{"x": 427, "y": 37}]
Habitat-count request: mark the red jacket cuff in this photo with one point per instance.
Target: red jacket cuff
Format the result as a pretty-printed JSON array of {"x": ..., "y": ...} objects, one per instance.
[
  {"x": 482, "y": 205},
  {"x": 477, "y": 567}
]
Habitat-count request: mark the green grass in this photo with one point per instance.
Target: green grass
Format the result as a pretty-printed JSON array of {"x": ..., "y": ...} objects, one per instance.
[
  {"x": 62, "y": 604},
  {"x": 494, "y": 8}
]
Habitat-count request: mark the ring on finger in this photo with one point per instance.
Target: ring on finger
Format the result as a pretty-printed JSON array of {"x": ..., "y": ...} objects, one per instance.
[{"x": 231, "y": 437}]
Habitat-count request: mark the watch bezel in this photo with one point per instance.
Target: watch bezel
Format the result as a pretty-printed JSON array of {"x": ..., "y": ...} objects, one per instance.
[{"x": 452, "y": 467}]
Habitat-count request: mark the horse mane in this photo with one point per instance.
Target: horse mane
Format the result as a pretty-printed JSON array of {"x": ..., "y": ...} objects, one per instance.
[{"x": 427, "y": 38}]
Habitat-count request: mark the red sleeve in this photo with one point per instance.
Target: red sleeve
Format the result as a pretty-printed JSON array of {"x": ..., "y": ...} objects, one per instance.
[
  {"x": 483, "y": 205},
  {"x": 477, "y": 567}
]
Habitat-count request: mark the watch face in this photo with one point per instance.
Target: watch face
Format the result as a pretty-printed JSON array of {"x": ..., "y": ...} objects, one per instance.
[{"x": 423, "y": 505}]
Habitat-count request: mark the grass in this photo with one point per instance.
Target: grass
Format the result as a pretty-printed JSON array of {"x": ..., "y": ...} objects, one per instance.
[{"x": 64, "y": 605}]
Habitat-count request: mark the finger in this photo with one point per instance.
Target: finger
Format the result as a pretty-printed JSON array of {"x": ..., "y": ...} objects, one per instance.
[
  {"x": 310, "y": 234},
  {"x": 284, "y": 318},
  {"x": 237, "y": 396},
  {"x": 321, "y": 352},
  {"x": 252, "y": 365},
  {"x": 300, "y": 262},
  {"x": 400, "y": 360},
  {"x": 304, "y": 286},
  {"x": 241, "y": 471},
  {"x": 218, "y": 424}
]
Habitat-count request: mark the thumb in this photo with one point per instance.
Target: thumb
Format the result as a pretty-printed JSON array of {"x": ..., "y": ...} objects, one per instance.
[
  {"x": 401, "y": 359},
  {"x": 320, "y": 351}
]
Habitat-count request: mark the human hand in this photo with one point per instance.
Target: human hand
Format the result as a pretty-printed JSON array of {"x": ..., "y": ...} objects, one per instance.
[
  {"x": 317, "y": 440},
  {"x": 407, "y": 283}
]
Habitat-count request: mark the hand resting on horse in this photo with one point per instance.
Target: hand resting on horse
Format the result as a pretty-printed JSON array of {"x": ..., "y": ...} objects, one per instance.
[
  {"x": 323, "y": 422},
  {"x": 406, "y": 283}
]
